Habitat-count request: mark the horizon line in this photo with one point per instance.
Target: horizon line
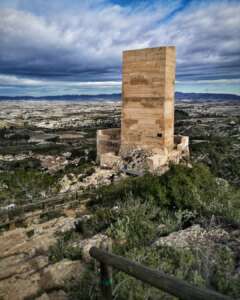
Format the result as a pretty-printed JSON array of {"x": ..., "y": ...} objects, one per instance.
[{"x": 112, "y": 94}]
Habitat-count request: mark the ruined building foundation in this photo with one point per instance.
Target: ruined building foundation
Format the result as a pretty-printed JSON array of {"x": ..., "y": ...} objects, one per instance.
[{"x": 146, "y": 138}]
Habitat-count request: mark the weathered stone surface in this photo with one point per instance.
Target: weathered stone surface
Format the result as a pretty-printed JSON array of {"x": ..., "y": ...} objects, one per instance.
[
  {"x": 148, "y": 98},
  {"x": 193, "y": 236},
  {"x": 108, "y": 140},
  {"x": 55, "y": 295},
  {"x": 98, "y": 240},
  {"x": 157, "y": 161},
  {"x": 37, "y": 275},
  {"x": 56, "y": 275},
  {"x": 73, "y": 182},
  {"x": 110, "y": 160},
  {"x": 24, "y": 266}
]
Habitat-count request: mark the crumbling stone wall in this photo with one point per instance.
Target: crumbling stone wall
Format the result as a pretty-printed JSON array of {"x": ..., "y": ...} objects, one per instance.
[
  {"x": 108, "y": 141},
  {"x": 148, "y": 99}
]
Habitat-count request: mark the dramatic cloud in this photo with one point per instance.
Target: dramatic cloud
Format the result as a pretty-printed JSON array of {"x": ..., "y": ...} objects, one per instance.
[
  {"x": 61, "y": 44},
  {"x": 207, "y": 39}
]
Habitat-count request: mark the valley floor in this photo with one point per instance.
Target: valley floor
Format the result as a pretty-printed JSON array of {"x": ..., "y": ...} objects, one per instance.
[{"x": 55, "y": 203}]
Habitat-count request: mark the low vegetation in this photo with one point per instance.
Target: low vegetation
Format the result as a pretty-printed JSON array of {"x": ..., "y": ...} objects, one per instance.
[
  {"x": 49, "y": 215},
  {"x": 195, "y": 189},
  {"x": 137, "y": 211},
  {"x": 25, "y": 186},
  {"x": 221, "y": 154},
  {"x": 64, "y": 249}
]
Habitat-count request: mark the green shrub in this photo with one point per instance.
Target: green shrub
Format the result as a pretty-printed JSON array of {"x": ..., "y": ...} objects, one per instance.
[
  {"x": 221, "y": 155},
  {"x": 99, "y": 221},
  {"x": 30, "y": 233},
  {"x": 86, "y": 287},
  {"x": 180, "y": 115},
  {"x": 15, "y": 212},
  {"x": 60, "y": 251},
  {"x": 202, "y": 267},
  {"x": 130, "y": 212},
  {"x": 64, "y": 249},
  {"x": 49, "y": 215},
  {"x": 27, "y": 185},
  {"x": 134, "y": 224},
  {"x": 194, "y": 189}
]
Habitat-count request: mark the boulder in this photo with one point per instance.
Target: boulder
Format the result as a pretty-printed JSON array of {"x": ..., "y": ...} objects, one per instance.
[
  {"x": 157, "y": 161},
  {"x": 192, "y": 237},
  {"x": 55, "y": 276},
  {"x": 98, "y": 240},
  {"x": 55, "y": 295},
  {"x": 110, "y": 160}
]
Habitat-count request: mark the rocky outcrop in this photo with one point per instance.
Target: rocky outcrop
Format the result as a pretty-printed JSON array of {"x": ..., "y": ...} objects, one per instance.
[
  {"x": 25, "y": 270},
  {"x": 55, "y": 276},
  {"x": 139, "y": 160},
  {"x": 98, "y": 240},
  {"x": 193, "y": 236},
  {"x": 36, "y": 276},
  {"x": 55, "y": 295},
  {"x": 73, "y": 182}
]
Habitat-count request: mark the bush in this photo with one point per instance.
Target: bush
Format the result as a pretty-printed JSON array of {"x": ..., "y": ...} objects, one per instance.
[
  {"x": 64, "y": 249},
  {"x": 210, "y": 269},
  {"x": 84, "y": 288},
  {"x": 49, "y": 215},
  {"x": 194, "y": 189},
  {"x": 27, "y": 185},
  {"x": 134, "y": 225},
  {"x": 130, "y": 212},
  {"x": 221, "y": 155},
  {"x": 60, "y": 251},
  {"x": 15, "y": 212}
]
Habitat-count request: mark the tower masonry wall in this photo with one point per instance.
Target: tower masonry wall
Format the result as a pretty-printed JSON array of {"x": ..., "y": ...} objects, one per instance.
[
  {"x": 146, "y": 138},
  {"x": 148, "y": 99}
]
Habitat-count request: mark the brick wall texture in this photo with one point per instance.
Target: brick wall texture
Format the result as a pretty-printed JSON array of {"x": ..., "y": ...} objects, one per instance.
[{"x": 148, "y": 98}]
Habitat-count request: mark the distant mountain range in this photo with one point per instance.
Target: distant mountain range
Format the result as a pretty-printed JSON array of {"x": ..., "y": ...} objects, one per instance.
[
  {"x": 206, "y": 97},
  {"x": 100, "y": 97},
  {"x": 115, "y": 97}
]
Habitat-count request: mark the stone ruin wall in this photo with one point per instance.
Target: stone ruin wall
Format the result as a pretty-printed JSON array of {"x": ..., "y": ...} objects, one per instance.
[{"x": 108, "y": 140}]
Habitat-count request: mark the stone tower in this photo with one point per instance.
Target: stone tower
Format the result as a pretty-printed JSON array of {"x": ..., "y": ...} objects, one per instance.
[
  {"x": 148, "y": 99},
  {"x": 146, "y": 136}
]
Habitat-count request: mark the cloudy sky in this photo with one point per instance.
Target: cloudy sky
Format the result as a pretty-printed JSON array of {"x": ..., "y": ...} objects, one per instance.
[{"x": 53, "y": 47}]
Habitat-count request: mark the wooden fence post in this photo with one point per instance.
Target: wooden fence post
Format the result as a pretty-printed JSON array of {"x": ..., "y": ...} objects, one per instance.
[
  {"x": 106, "y": 273},
  {"x": 106, "y": 282}
]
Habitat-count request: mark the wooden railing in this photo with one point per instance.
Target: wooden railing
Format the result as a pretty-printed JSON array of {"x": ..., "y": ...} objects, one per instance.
[
  {"x": 170, "y": 284},
  {"x": 41, "y": 202},
  {"x": 32, "y": 209}
]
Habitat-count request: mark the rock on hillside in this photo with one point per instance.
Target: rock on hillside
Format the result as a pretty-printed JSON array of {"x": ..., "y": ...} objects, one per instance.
[
  {"x": 25, "y": 270},
  {"x": 194, "y": 236}
]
